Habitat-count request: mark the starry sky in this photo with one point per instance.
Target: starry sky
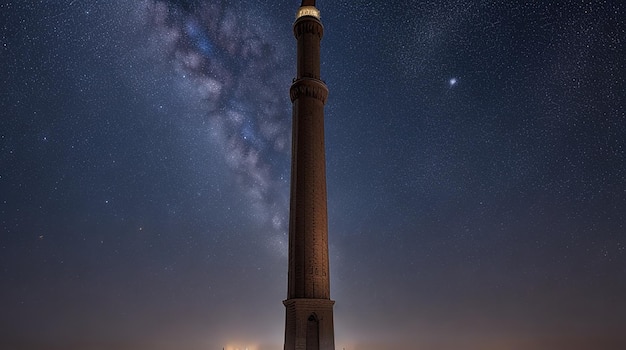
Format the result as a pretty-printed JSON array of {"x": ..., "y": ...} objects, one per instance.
[{"x": 476, "y": 168}]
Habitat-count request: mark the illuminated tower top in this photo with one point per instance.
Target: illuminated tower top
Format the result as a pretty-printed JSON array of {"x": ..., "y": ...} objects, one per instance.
[{"x": 308, "y": 11}]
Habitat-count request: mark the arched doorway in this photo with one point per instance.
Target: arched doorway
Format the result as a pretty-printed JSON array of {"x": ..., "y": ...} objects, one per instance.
[{"x": 313, "y": 333}]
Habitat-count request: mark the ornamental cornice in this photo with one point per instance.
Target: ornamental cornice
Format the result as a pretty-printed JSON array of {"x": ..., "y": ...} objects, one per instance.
[{"x": 309, "y": 87}]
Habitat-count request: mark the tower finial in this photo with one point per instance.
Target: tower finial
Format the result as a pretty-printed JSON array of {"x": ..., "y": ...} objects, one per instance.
[{"x": 308, "y": 9}]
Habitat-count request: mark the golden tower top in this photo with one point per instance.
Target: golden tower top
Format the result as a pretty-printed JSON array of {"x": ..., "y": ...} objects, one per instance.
[
  {"x": 308, "y": 11},
  {"x": 307, "y": 8}
]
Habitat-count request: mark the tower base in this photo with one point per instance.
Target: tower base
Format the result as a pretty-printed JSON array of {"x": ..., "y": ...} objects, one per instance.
[{"x": 309, "y": 324}]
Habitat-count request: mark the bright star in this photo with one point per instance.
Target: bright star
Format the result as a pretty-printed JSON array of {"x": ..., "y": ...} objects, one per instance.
[{"x": 452, "y": 81}]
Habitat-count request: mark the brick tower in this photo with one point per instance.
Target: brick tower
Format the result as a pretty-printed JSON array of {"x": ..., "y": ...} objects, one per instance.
[{"x": 309, "y": 314}]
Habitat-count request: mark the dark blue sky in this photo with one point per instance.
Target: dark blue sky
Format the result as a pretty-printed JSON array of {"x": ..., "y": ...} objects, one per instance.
[{"x": 476, "y": 156}]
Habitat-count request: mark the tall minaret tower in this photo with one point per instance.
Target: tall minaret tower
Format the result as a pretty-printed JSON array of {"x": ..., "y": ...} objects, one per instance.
[{"x": 309, "y": 320}]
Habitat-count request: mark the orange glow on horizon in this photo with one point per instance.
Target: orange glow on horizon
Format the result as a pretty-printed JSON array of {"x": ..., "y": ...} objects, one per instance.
[{"x": 241, "y": 347}]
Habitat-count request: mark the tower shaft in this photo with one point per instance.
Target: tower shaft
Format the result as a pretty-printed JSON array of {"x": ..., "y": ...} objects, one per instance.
[{"x": 309, "y": 314}]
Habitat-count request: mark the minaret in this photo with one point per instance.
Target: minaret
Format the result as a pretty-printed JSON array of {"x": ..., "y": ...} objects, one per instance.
[{"x": 309, "y": 316}]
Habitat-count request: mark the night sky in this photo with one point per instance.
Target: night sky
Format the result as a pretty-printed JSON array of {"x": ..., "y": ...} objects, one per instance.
[{"x": 476, "y": 168}]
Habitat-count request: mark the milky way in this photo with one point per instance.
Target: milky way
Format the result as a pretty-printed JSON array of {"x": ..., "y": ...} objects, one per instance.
[{"x": 221, "y": 51}]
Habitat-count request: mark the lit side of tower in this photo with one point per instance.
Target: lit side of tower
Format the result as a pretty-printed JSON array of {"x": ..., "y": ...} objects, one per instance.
[{"x": 309, "y": 314}]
